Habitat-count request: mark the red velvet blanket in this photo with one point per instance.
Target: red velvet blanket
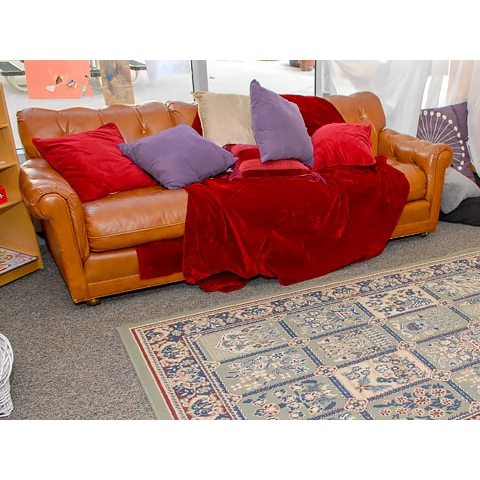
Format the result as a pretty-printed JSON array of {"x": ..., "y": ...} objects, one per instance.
[{"x": 291, "y": 228}]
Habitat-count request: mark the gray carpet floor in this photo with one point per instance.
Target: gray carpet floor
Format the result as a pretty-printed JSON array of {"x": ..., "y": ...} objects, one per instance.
[{"x": 70, "y": 362}]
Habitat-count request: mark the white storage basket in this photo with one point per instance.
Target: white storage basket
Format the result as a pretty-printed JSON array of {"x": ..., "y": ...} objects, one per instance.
[{"x": 6, "y": 364}]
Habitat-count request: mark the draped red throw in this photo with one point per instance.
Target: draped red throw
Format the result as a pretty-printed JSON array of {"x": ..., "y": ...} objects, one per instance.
[{"x": 290, "y": 228}]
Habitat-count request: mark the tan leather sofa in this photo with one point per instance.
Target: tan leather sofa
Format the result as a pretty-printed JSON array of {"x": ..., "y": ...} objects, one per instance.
[{"x": 94, "y": 243}]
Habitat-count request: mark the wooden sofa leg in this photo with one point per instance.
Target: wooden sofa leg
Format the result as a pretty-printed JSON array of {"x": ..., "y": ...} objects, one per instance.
[
  {"x": 94, "y": 302},
  {"x": 424, "y": 234}
]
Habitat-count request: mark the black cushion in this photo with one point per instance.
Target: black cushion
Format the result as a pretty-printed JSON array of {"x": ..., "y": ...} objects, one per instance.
[{"x": 467, "y": 212}]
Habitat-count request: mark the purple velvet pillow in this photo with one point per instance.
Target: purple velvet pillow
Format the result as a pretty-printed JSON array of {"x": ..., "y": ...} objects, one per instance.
[
  {"x": 279, "y": 128},
  {"x": 178, "y": 156}
]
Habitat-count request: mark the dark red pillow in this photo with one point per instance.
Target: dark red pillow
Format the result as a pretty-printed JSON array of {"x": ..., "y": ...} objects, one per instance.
[
  {"x": 249, "y": 164},
  {"x": 197, "y": 124},
  {"x": 316, "y": 111},
  {"x": 92, "y": 163},
  {"x": 342, "y": 144}
]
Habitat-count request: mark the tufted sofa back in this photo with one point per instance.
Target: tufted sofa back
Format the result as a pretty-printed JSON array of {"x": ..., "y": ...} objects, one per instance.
[
  {"x": 138, "y": 121},
  {"x": 362, "y": 107},
  {"x": 134, "y": 121}
]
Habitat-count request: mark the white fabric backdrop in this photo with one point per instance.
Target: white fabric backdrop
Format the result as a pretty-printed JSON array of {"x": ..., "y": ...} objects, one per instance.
[
  {"x": 473, "y": 104},
  {"x": 464, "y": 86},
  {"x": 406, "y": 86},
  {"x": 401, "y": 85}
]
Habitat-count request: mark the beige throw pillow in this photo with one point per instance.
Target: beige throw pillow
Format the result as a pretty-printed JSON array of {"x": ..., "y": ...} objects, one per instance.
[{"x": 225, "y": 117}]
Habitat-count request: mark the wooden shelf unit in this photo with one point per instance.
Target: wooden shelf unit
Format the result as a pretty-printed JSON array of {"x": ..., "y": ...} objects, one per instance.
[{"x": 17, "y": 231}]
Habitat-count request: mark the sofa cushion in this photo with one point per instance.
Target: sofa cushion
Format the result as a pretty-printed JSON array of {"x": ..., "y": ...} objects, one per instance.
[
  {"x": 225, "y": 118},
  {"x": 132, "y": 218},
  {"x": 343, "y": 144},
  {"x": 248, "y": 164},
  {"x": 279, "y": 128},
  {"x": 92, "y": 163},
  {"x": 178, "y": 156},
  {"x": 416, "y": 178}
]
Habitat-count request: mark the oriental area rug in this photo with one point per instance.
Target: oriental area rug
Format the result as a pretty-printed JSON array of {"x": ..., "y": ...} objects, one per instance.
[{"x": 401, "y": 344}]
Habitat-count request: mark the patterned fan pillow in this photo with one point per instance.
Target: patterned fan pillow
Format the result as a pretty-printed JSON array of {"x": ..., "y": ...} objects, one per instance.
[{"x": 448, "y": 125}]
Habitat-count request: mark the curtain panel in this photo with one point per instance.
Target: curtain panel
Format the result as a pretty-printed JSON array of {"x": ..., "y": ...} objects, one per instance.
[
  {"x": 464, "y": 86},
  {"x": 406, "y": 86},
  {"x": 401, "y": 85}
]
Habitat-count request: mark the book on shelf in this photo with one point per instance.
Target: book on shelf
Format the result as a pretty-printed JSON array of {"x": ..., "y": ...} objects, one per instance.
[{"x": 10, "y": 259}]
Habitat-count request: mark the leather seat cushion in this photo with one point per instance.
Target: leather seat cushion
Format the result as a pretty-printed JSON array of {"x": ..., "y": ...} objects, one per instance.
[
  {"x": 127, "y": 219},
  {"x": 416, "y": 178}
]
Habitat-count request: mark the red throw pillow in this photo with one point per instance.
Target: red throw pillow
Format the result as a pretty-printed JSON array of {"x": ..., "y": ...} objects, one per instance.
[
  {"x": 92, "y": 163},
  {"x": 316, "y": 111},
  {"x": 248, "y": 164},
  {"x": 342, "y": 144}
]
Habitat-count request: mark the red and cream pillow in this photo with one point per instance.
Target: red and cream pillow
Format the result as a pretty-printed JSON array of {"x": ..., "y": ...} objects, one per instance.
[
  {"x": 249, "y": 164},
  {"x": 224, "y": 118}
]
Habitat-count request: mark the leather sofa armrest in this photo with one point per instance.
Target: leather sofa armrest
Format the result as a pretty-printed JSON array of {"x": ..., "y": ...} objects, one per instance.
[
  {"x": 432, "y": 158},
  {"x": 50, "y": 197}
]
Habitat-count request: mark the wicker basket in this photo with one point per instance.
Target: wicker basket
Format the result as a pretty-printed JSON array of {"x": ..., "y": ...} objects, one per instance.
[{"x": 6, "y": 364}]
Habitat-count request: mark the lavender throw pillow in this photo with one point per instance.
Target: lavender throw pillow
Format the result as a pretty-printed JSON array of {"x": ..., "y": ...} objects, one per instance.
[
  {"x": 279, "y": 128},
  {"x": 178, "y": 156}
]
